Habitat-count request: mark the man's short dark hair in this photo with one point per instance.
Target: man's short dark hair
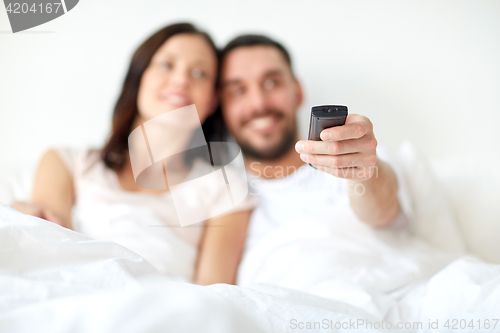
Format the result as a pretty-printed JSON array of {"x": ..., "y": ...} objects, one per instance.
[{"x": 256, "y": 40}]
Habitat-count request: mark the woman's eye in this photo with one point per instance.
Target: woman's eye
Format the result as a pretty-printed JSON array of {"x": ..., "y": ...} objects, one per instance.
[
  {"x": 269, "y": 84},
  {"x": 166, "y": 65},
  {"x": 197, "y": 73}
]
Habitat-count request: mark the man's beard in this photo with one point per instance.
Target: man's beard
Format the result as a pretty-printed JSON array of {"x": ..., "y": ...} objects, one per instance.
[{"x": 270, "y": 153}]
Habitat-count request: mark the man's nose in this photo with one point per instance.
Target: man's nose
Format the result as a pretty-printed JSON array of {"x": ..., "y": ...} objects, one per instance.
[{"x": 256, "y": 99}]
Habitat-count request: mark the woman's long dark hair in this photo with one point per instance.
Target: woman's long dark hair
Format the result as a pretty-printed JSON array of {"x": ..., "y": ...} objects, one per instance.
[{"x": 115, "y": 151}]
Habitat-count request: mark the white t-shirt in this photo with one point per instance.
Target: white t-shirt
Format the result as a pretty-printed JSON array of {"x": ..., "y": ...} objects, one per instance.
[
  {"x": 145, "y": 223},
  {"x": 304, "y": 235}
]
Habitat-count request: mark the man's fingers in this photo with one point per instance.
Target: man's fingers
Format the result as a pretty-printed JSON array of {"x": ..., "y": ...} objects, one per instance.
[
  {"x": 341, "y": 161},
  {"x": 367, "y": 143},
  {"x": 347, "y": 151},
  {"x": 355, "y": 127}
]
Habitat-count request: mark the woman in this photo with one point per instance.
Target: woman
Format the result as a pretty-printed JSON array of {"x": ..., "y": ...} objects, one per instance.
[{"x": 95, "y": 191}]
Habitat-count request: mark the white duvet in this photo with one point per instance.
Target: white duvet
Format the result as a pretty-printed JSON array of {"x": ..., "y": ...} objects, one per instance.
[{"x": 56, "y": 280}]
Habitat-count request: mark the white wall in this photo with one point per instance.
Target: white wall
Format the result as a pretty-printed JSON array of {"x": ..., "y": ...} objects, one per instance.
[{"x": 425, "y": 71}]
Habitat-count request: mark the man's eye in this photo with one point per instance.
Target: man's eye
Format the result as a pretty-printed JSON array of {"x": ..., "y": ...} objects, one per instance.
[
  {"x": 270, "y": 84},
  {"x": 198, "y": 73},
  {"x": 236, "y": 91}
]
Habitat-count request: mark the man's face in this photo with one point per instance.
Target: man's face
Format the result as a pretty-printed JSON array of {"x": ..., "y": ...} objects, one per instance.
[{"x": 259, "y": 99}]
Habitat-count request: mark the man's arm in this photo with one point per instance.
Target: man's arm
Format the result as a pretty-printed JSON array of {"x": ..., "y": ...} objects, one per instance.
[
  {"x": 349, "y": 152},
  {"x": 375, "y": 200}
]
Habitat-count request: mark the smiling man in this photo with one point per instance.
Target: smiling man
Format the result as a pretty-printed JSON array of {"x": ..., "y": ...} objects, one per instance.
[
  {"x": 260, "y": 100},
  {"x": 348, "y": 195}
]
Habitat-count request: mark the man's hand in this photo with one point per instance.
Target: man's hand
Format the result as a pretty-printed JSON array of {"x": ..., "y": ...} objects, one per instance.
[
  {"x": 346, "y": 151},
  {"x": 349, "y": 152}
]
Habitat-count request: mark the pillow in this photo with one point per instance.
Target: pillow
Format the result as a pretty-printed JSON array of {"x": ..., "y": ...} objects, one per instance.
[
  {"x": 429, "y": 209},
  {"x": 474, "y": 188},
  {"x": 16, "y": 185}
]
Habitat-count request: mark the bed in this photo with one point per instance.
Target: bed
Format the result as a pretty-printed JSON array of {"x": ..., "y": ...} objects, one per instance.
[{"x": 57, "y": 280}]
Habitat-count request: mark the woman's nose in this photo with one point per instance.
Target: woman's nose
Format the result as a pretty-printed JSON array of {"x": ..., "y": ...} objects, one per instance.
[{"x": 180, "y": 78}]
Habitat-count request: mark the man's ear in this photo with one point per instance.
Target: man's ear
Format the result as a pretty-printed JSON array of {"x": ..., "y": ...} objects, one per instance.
[{"x": 299, "y": 94}]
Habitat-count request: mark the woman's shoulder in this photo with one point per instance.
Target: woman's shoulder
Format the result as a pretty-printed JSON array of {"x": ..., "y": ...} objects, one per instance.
[{"x": 77, "y": 159}]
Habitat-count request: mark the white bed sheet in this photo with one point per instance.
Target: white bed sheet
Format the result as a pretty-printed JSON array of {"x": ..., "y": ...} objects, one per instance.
[{"x": 56, "y": 280}]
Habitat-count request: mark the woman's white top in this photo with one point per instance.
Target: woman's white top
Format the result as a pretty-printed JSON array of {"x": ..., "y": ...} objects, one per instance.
[{"x": 145, "y": 223}]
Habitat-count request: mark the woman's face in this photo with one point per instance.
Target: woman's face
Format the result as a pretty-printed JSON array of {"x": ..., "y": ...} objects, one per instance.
[{"x": 182, "y": 72}]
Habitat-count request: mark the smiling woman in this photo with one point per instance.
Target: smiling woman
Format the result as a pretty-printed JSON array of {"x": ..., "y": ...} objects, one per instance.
[
  {"x": 94, "y": 191},
  {"x": 158, "y": 79}
]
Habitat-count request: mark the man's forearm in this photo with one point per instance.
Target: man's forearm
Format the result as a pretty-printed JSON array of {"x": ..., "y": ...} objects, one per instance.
[
  {"x": 349, "y": 151},
  {"x": 375, "y": 201}
]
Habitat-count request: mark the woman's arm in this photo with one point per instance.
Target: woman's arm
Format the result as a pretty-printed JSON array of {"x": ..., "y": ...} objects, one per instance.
[
  {"x": 221, "y": 249},
  {"x": 53, "y": 193}
]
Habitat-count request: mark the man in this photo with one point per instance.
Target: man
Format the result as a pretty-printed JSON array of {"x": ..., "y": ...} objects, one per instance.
[{"x": 260, "y": 98}]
